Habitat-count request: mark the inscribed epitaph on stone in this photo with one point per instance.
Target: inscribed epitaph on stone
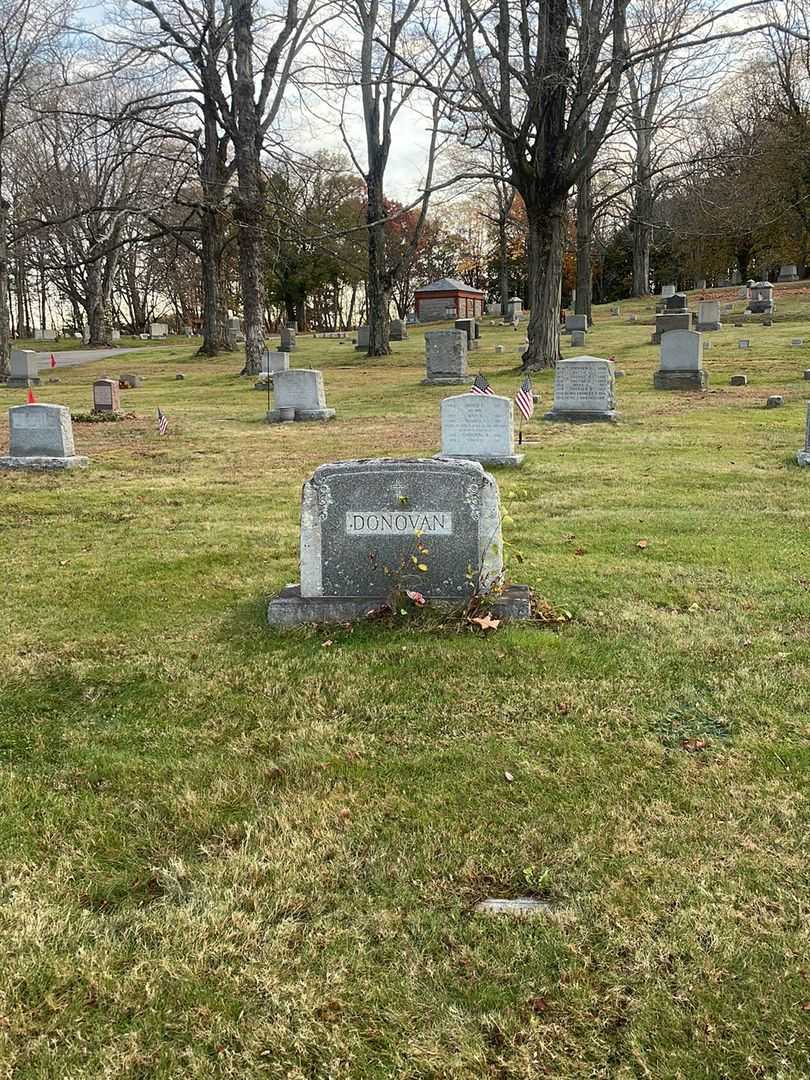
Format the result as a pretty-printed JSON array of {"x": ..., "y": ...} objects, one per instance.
[
  {"x": 41, "y": 437},
  {"x": 584, "y": 390},
  {"x": 479, "y": 427},
  {"x": 445, "y": 358},
  {"x": 371, "y": 529}
]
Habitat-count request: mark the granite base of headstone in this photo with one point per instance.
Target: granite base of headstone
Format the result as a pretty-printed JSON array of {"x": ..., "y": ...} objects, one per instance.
[
  {"x": 299, "y": 394},
  {"x": 364, "y": 528},
  {"x": 479, "y": 427},
  {"x": 584, "y": 391},
  {"x": 41, "y": 438}
]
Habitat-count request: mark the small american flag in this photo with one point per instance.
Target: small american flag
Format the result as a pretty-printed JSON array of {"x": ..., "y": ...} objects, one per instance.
[
  {"x": 524, "y": 399},
  {"x": 481, "y": 386},
  {"x": 162, "y": 422}
]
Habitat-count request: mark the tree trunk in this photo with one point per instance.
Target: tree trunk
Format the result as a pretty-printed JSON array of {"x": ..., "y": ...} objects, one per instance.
[
  {"x": 377, "y": 295},
  {"x": 4, "y": 329},
  {"x": 503, "y": 262},
  {"x": 584, "y": 299},
  {"x": 250, "y": 196},
  {"x": 642, "y": 237},
  {"x": 544, "y": 249}
]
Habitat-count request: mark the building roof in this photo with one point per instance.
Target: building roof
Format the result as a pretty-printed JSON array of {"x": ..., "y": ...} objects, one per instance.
[{"x": 447, "y": 284}]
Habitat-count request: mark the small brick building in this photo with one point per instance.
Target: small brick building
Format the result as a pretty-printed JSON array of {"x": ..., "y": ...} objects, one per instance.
[{"x": 448, "y": 299}]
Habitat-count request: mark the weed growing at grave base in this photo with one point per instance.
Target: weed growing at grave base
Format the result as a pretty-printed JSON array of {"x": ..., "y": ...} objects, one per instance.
[{"x": 230, "y": 852}]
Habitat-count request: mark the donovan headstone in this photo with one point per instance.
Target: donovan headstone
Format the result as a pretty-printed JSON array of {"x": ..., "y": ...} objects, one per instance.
[
  {"x": 584, "y": 390},
  {"x": 371, "y": 529},
  {"x": 479, "y": 427},
  {"x": 445, "y": 358},
  {"x": 298, "y": 394},
  {"x": 41, "y": 437},
  {"x": 681, "y": 362},
  {"x": 803, "y": 456},
  {"x": 23, "y": 368}
]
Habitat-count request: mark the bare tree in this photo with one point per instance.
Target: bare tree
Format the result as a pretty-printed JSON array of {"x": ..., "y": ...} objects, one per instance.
[{"x": 29, "y": 34}]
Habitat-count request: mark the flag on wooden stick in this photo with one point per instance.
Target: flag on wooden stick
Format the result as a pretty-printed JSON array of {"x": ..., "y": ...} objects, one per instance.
[{"x": 524, "y": 399}]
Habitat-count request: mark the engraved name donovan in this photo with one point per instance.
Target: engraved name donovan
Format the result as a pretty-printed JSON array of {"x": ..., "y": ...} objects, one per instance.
[{"x": 398, "y": 522}]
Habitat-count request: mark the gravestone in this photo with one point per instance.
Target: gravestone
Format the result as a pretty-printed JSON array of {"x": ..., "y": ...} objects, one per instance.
[
  {"x": 473, "y": 332},
  {"x": 129, "y": 381},
  {"x": 803, "y": 456},
  {"x": 681, "y": 362},
  {"x": 271, "y": 362},
  {"x": 445, "y": 358},
  {"x": 115, "y": 336},
  {"x": 299, "y": 394},
  {"x": 45, "y": 333},
  {"x": 494, "y": 308},
  {"x": 514, "y": 307},
  {"x": 361, "y": 340},
  {"x": 616, "y": 310},
  {"x": 788, "y": 272},
  {"x": 709, "y": 315},
  {"x": 738, "y": 380},
  {"x": 41, "y": 437},
  {"x": 584, "y": 390},
  {"x": 676, "y": 303},
  {"x": 499, "y": 349},
  {"x": 22, "y": 368},
  {"x": 761, "y": 301},
  {"x": 797, "y": 342},
  {"x": 479, "y": 427},
  {"x": 288, "y": 336},
  {"x": 701, "y": 284},
  {"x": 744, "y": 343},
  {"x": 671, "y": 321},
  {"x": 372, "y": 529},
  {"x": 775, "y": 401},
  {"x": 106, "y": 397},
  {"x": 399, "y": 330},
  {"x": 578, "y": 338},
  {"x": 667, "y": 291},
  {"x": 576, "y": 322},
  {"x": 158, "y": 330}
]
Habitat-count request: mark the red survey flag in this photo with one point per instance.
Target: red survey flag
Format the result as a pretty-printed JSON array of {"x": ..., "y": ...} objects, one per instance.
[
  {"x": 31, "y": 399},
  {"x": 53, "y": 360}
]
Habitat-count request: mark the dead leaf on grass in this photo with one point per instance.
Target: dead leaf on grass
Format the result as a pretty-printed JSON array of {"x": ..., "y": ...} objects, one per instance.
[
  {"x": 643, "y": 544},
  {"x": 692, "y": 746},
  {"x": 485, "y": 622}
]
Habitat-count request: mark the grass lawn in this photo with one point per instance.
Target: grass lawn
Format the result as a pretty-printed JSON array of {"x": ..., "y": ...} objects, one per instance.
[{"x": 233, "y": 852}]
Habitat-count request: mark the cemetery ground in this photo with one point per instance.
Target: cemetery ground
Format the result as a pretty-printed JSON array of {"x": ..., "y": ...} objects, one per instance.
[{"x": 235, "y": 852}]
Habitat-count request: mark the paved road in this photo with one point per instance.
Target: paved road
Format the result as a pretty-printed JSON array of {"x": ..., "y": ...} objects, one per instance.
[{"x": 74, "y": 357}]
